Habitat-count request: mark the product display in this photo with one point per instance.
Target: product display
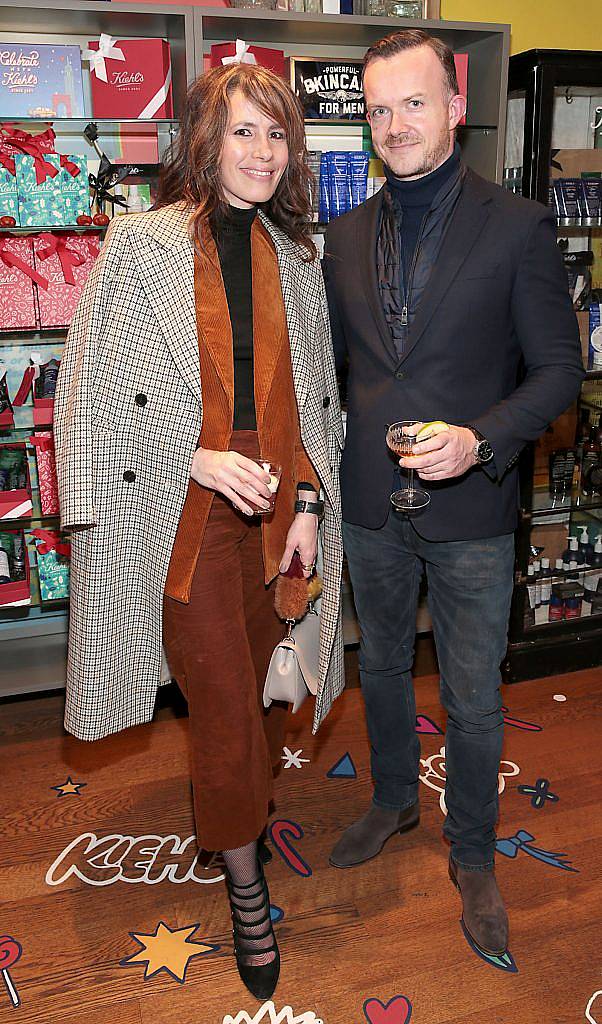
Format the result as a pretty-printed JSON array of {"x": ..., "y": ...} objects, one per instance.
[
  {"x": 240, "y": 52},
  {"x": 15, "y": 484},
  {"x": 65, "y": 260},
  {"x": 595, "y": 334},
  {"x": 40, "y": 80},
  {"x": 53, "y": 552},
  {"x": 14, "y": 569},
  {"x": 131, "y": 77},
  {"x": 577, "y": 201},
  {"x": 9, "y": 196},
  {"x": 43, "y": 443},
  {"x": 18, "y": 307},
  {"x": 343, "y": 183},
  {"x": 6, "y": 409},
  {"x": 39, "y": 187},
  {"x": 41, "y": 377},
  {"x": 74, "y": 187}
]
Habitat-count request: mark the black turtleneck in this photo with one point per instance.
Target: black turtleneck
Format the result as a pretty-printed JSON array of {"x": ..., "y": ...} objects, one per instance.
[
  {"x": 414, "y": 199},
  {"x": 233, "y": 240}
]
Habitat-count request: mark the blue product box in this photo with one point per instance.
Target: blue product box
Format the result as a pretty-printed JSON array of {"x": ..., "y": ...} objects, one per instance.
[
  {"x": 40, "y": 203},
  {"x": 9, "y": 199},
  {"x": 75, "y": 190},
  {"x": 595, "y": 334},
  {"x": 40, "y": 81}
]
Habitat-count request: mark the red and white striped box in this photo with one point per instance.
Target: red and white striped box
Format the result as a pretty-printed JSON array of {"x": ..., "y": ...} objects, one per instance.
[
  {"x": 16, "y": 504},
  {"x": 18, "y": 592}
]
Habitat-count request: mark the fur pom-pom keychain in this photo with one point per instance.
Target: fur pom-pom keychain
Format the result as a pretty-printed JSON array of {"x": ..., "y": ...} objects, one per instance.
[{"x": 293, "y": 591}]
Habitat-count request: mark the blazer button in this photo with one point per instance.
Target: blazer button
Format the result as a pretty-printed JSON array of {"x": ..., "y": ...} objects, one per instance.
[
  {"x": 326, "y": 401},
  {"x": 399, "y": 374},
  {"x": 129, "y": 476},
  {"x": 141, "y": 400}
]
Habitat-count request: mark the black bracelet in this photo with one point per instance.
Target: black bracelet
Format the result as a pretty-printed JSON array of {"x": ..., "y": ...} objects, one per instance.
[{"x": 315, "y": 508}]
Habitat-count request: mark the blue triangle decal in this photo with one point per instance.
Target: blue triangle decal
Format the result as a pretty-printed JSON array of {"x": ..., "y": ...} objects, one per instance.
[{"x": 343, "y": 769}]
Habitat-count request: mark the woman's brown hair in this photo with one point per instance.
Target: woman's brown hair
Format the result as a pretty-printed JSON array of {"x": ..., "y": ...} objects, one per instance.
[{"x": 192, "y": 171}]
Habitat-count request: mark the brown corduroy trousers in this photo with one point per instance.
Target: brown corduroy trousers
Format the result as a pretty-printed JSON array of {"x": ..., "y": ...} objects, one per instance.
[{"x": 218, "y": 647}]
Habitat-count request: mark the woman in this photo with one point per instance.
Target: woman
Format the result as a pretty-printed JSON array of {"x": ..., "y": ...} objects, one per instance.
[{"x": 200, "y": 344}]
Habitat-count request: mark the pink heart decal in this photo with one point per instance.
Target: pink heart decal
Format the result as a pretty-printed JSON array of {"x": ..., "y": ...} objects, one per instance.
[
  {"x": 425, "y": 725},
  {"x": 397, "y": 1011}
]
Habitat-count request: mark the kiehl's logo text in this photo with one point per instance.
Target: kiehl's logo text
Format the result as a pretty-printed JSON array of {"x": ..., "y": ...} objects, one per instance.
[
  {"x": 126, "y": 79},
  {"x": 14, "y": 64}
]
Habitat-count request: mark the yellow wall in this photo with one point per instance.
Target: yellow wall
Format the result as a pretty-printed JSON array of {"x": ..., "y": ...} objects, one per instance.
[{"x": 545, "y": 24}]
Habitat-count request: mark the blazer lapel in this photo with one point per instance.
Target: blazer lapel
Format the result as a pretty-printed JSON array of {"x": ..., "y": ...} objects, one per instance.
[
  {"x": 468, "y": 220},
  {"x": 166, "y": 269},
  {"x": 301, "y": 306},
  {"x": 269, "y": 324},
  {"x": 366, "y": 243},
  {"x": 213, "y": 315}
]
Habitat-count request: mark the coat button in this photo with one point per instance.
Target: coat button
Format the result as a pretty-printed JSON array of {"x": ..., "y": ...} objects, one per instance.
[
  {"x": 129, "y": 476},
  {"x": 399, "y": 374},
  {"x": 141, "y": 399},
  {"x": 326, "y": 401}
]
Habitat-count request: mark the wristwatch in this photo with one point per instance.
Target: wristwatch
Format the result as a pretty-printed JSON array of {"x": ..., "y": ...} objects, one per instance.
[
  {"x": 316, "y": 508},
  {"x": 482, "y": 451}
]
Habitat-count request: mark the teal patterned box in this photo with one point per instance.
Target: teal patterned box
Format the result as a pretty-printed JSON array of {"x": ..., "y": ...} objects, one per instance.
[
  {"x": 74, "y": 187},
  {"x": 9, "y": 199},
  {"x": 53, "y": 573},
  {"x": 40, "y": 203}
]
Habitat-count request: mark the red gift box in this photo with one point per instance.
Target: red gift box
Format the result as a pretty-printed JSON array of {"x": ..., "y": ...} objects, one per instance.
[
  {"x": 132, "y": 76},
  {"x": 6, "y": 415},
  {"x": 18, "y": 309},
  {"x": 16, "y": 504},
  {"x": 43, "y": 443},
  {"x": 240, "y": 52},
  {"x": 461, "y": 62},
  {"x": 64, "y": 260},
  {"x": 18, "y": 592}
]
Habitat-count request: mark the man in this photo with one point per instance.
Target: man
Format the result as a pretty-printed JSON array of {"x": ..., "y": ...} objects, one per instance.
[{"x": 444, "y": 292}]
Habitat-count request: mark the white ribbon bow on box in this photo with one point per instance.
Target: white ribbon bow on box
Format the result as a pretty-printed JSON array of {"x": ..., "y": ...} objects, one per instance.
[
  {"x": 106, "y": 48},
  {"x": 242, "y": 55}
]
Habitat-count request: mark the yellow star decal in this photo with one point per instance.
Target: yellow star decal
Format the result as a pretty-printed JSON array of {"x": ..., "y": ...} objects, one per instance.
[
  {"x": 69, "y": 788},
  {"x": 167, "y": 950}
]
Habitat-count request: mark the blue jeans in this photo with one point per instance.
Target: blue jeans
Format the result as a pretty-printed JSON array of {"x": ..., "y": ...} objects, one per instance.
[{"x": 470, "y": 586}]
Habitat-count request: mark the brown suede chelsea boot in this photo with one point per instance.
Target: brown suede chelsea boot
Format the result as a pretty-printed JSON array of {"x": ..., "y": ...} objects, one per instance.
[
  {"x": 483, "y": 912},
  {"x": 366, "y": 837}
]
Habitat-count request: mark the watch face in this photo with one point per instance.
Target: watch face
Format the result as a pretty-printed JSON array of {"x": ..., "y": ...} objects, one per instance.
[{"x": 484, "y": 451}]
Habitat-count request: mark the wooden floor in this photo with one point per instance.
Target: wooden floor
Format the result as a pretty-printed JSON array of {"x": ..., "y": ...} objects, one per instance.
[{"x": 388, "y": 929}]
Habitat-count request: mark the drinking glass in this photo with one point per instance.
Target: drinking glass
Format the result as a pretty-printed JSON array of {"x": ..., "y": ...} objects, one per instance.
[
  {"x": 401, "y": 438},
  {"x": 275, "y": 472}
]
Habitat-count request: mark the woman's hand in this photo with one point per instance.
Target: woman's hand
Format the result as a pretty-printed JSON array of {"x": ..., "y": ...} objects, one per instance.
[
  {"x": 302, "y": 537},
  {"x": 233, "y": 475}
]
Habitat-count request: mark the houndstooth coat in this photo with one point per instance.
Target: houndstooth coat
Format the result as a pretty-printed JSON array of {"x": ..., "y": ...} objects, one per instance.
[{"x": 128, "y": 413}]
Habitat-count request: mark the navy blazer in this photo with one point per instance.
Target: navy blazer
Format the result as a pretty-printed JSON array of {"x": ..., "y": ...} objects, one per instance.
[{"x": 494, "y": 343}]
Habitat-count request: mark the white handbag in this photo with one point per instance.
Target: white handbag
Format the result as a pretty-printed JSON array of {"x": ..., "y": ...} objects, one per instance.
[{"x": 293, "y": 670}]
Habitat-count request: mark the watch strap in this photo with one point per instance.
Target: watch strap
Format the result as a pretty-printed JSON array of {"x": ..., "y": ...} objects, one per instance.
[{"x": 315, "y": 508}]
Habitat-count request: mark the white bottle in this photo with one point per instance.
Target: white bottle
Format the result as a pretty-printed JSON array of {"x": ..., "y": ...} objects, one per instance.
[
  {"x": 546, "y": 583},
  {"x": 135, "y": 200},
  {"x": 537, "y": 589},
  {"x": 584, "y": 546}
]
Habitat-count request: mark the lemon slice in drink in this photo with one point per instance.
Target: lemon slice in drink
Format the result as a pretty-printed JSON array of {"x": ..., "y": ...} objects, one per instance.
[{"x": 429, "y": 430}]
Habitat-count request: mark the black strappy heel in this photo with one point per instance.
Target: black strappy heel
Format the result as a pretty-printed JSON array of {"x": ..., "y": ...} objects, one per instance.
[{"x": 260, "y": 979}]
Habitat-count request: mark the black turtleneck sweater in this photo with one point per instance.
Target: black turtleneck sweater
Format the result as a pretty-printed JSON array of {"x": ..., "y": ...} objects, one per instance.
[
  {"x": 233, "y": 240},
  {"x": 414, "y": 199}
]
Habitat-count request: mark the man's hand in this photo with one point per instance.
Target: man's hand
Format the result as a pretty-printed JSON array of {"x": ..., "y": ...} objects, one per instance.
[{"x": 444, "y": 456}]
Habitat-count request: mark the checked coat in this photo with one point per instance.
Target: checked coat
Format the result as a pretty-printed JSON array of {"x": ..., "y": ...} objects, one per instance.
[{"x": 128, "y": 414}]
